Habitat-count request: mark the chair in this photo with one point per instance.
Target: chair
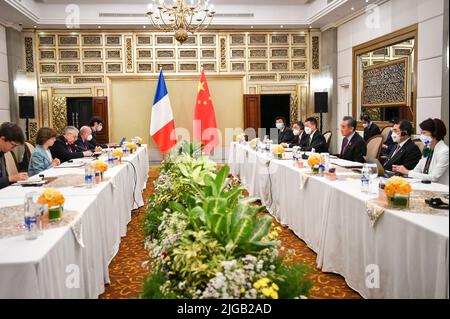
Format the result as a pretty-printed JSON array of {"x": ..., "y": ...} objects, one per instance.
[
  {"x": 328, "y": 136},
  {"x": 11, "y": 164},
  {"x": 419, "y": 143},
  {"x": 385, "y": 132},
  {"x": 29, "y": 149},
  {"x": 374, "y": 147}
]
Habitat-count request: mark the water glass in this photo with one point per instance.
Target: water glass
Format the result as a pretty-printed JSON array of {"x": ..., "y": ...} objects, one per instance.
[{"x": 373, "y": 176}]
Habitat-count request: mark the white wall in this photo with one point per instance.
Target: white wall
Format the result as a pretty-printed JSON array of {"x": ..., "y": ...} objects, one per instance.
[
  {"x": 395, "y": 15},
  {"x": 4, "y": 86}
]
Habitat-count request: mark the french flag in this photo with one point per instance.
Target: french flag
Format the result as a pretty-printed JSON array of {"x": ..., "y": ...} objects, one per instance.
[{"x": 162, "y": 127}]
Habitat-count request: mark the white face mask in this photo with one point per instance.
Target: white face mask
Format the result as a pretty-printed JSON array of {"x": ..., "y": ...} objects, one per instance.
[
  {"x": 99, "y": 128},
  {"x": 366, "y": 125},
  {"x": 395, "y": 137},
  {"x": 89, "y": 138},
  {"x": 426, "y": 139},
  {"x": 308, "y": 130},
  {"x": 279, "y": 126},
  {"x": 296, "y": 132}
]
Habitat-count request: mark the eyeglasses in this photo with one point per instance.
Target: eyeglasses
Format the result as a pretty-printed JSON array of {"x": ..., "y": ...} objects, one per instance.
[{"x": 13, "y": 144}]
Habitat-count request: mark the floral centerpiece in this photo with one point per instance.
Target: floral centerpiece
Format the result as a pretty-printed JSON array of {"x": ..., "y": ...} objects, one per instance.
[
  {"x": 139, "y": 140},
  {"x": 100, "y": 167},
  {"x": 278, "y": 151},
  {"x": 118, "y": 154},
  {"x": 54, "y": 200},
  {"x": 132, "y": 147},
  {"x": 397, "y": 190},
  {"x": 314, "y": 161},
  {"x": 254, "y": 143}
]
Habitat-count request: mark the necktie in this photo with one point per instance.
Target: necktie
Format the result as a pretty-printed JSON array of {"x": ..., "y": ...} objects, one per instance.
[
  {"x": 396, "y": 150},
  {"x": 344, "y": 145}
]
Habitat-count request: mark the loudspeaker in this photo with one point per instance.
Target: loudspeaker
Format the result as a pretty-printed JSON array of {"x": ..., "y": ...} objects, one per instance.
[
  {"x": 321, "y": 102},
  {"x": 26, "y": 107}
]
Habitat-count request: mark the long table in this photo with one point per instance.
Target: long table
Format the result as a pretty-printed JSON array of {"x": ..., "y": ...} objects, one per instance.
[
  {"x": 72, "y": 261},
  {"x": 406, "y": 254}
]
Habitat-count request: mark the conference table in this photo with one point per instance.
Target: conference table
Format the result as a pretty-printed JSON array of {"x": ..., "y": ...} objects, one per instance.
[
  {"x": 72, "y": 261},
  {"x": 405, "y": 254}
]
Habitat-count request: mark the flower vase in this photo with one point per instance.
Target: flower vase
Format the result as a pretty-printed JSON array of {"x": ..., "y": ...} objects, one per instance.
[
  {"x": 278, "y": 156},
  {"x": 55, "y": 213},
  {"x": 315, "y": 169},
  {"x": 399, "y": 201}
]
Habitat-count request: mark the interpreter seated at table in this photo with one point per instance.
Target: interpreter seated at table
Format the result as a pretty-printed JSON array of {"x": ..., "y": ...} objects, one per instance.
[
  {"x": 42, "y": 158},
  {"x": 316, "y": 140},
  {"x": 354, "y": 148},
  {"x": 285, "y": 134},
  {"x": 83, "y": 143},
  {"x": 389, "y": 145},
  {"x": 64, "y": 147},
  {"x": 370, "y": 128},
  {"x": 300, "y": 137},
  {"x": 11, "y": 136},
  {"x": 96, "y": 124},
  {"x": 406, "y": 152},
  {"x": 434, "y": 163}
]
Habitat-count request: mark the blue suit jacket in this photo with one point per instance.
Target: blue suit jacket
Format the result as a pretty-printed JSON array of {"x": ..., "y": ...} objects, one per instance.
[{"x": 39, "y": 161}]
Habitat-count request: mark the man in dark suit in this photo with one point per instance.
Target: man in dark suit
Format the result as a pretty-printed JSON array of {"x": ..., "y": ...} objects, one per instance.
[
  {"x": 300, "y": 137},
  {"x": 11, "y": 136},
  {"x": 285, "y": 134},
  {"x": 96, "y": 124},
  {"x": 353, "y": 146},
  {"x": 406, "y": 153},
  {"x": 370, "y": 128},
  {"x": 64, "y": 147},
  {"x": 316, "y": 141}
]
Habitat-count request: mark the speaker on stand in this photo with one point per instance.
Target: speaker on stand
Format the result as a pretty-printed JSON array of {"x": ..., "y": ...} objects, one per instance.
[
  {"x": 26, "y": 111},
  {"x": 321, "y": 105}
]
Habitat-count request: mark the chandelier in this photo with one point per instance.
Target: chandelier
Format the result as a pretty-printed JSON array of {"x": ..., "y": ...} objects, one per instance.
[{"x": 180, "y": 17}]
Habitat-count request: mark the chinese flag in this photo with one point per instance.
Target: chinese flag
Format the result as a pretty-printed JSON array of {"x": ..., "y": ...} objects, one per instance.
[{"x": 205, "y": 127}]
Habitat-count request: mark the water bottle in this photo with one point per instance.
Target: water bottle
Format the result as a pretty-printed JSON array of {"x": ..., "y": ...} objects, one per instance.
[
  {"x": 267, "y": 143},
  {"x": 30, "y": 220},
  {"x": 295, "y": 155},
  {"x": 365, "y": 179},
  {"x": 110, "y": 158},
  {"x": 88, "y": 175}
]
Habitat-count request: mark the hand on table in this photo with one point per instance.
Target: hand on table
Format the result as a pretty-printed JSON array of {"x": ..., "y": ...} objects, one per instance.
[
  {"x": 56, "y": 162},
  {"x": 18, "y": 177},
  {"x": 286, "y": 145},
  {"x": 87, "y": 153},
  {"x": 98, "y": 149},
  {"x": 400, "y": 169},
  {"x": 384, "y": 146}
]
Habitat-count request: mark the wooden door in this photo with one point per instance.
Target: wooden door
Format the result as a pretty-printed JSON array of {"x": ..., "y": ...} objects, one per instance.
[
  {"x": 252, "y": 111},
  {"x": 100, "y": 108}
]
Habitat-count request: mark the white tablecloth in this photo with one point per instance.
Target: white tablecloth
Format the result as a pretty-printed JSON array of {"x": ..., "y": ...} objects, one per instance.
[
  {"x": 56, "y": 265},
  {"x": 409, "y": 250}
]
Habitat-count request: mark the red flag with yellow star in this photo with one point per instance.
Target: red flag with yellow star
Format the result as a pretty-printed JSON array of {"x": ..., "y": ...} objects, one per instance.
[{"x": 205, "y": 127}]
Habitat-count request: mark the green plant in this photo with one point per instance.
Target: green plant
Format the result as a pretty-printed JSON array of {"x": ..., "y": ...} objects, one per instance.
[
  {"x": 152, "y": 287},
  {"x": 292, "y": 280}
]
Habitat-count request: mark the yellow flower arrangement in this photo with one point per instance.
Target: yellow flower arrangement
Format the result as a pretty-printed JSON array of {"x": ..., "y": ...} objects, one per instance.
[
  {"x": 118, "y": 152},
  {"x": 314, "y": 159},
  {"x": 397, "y": 185},
  {"x": 277, "y": 149},
  {"x": 51, "y": 198},
  {"x": 267, "y": 288},
  {"x": 131, "y": 146},
  {"x": 99, "y": 166},
  {"x": 139, "y": 139}
]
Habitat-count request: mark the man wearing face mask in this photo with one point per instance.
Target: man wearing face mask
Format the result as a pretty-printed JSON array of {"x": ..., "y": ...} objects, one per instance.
[
  {"x": 83, "y": 143},
  {"x": 285, "y": 134},
  {"x": 433, "y": 167},
  {"x": 316, "y": 141},
  {"x": 300, "y": 137},
  {"x": 96, "y": 124},
  {"x": 389, "y": 144},
  {"x": 370, "y": 128},
  {"x": 406, "y": 152}
]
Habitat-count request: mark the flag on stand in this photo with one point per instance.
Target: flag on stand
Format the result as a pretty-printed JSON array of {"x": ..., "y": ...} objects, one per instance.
[
  {"x": 162, "y": 127},
  {"x": 205, "y": 127}
]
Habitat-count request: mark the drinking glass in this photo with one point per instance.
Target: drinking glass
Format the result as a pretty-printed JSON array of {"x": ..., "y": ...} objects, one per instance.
[{"x": 373, "y": 176}]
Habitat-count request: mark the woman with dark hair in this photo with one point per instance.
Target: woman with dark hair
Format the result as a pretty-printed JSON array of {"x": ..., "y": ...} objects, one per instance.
[
  {"x": 42, "y": 159},
  {"x": 434, "y": 163}
]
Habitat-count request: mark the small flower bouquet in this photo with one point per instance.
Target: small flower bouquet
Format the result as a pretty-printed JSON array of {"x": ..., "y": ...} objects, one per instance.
[
  {"x": 54, "y": 200},
  {"x": 139, "y": 140},
  {"x": 99, "y": 167},
  {"x": 314, "y": 161},
  {"x": 132, "y": 147},
  {"x": 118, "y": 154},
  {"x": 278, "y": 151},
  {"x": 254, "y": 143},
  {"x": 397, "y": 190}
]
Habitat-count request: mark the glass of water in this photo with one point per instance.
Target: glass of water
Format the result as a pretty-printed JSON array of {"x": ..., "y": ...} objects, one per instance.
[{"x": 373, "y": 176}]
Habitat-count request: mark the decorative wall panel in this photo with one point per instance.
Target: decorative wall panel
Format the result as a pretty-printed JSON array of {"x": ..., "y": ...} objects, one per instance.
[
  {"x": 47, "y": 54},
  {"x": 315, "y": 60},
  {"x": 59, "y": 114},
  {"x": 29, "y": 55},
  {"x": 94, "y": 54},
  {"x": 92, "y": 40},
  {"x": 144, "y": 40},
  {"x": 114, "y": 67},
  {"x": 69, "y": 54},
  {"x": 93, "y": 67},
  {"x": 68, "y": 40},
  {"x": 47, "y": 40},
  {"x": 113, "y": 40},
  {"x": 46, "y": 68},
  {"x": 113, "y": 54}
]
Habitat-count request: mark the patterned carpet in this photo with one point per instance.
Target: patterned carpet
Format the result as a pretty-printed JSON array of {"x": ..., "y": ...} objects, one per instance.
[{"x": 128, "y": 269}]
